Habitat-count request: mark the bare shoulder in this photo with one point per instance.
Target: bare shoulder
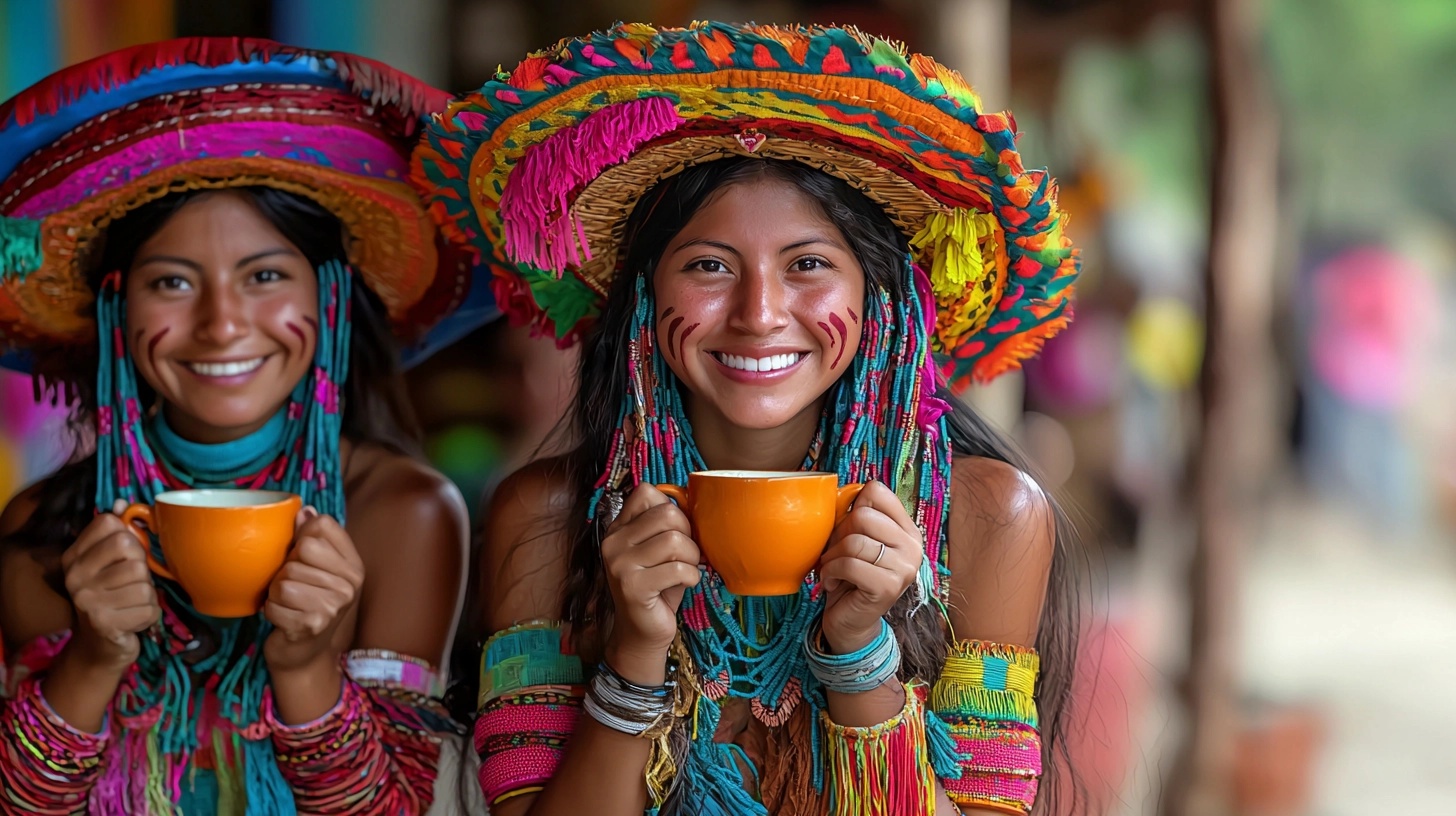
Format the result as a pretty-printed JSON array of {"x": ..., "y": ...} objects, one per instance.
[
  {"x": 988, "y": 493},
  {"x": 381, "y": 482},
  {"x": 1002, "y": 539},
  {"x": 393, "y": 497},
  {"x": 526, "y": 543}
]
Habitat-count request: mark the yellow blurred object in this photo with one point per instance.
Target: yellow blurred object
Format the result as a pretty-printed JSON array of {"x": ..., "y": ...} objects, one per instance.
[
  {"x": 1165, "y": 343},
  {"x": 10, "y": 470}
]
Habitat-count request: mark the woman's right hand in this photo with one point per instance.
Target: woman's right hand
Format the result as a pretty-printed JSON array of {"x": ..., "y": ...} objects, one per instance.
[
  {"x": 112, "y": 592},
  {"x": 651, "y": 560}
]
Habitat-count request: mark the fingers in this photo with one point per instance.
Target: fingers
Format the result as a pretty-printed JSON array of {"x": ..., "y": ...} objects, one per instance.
[
  {"x": 655, "y": 520},
  {"x": 120, "y": 546},
  {"x": 100, "y": 529},
  {"x": 305, "y": 601},
  {"x": 642, "y": 498},
  {"x": 879, "y": 586},
  {"x": 642, "y": 585},
  {"x": 878, "y": 496},
  {"x": 872, "y": 524},
  {"x": 311, "y": 524},
  {"x": 671, "y": 545},
  {"x": 329, "y": 557}
]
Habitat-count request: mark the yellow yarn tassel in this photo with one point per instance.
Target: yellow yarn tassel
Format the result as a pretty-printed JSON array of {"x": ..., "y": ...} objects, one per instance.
[
  {"x": 661, "y": 766},
  {"x": 881, "y": 770},
  {"x": 992, "y": 681},
  {"x": 954, "y": 239}
]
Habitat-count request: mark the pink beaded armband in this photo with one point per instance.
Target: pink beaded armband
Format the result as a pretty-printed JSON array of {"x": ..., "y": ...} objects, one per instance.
[{"x": 986, "y": 698}]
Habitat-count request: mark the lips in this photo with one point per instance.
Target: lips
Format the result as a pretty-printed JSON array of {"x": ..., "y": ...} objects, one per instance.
[{"x": 773, "y": 362}]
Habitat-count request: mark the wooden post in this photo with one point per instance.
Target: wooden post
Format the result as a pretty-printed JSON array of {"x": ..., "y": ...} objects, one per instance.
[{"x": 1236, "y": 394}]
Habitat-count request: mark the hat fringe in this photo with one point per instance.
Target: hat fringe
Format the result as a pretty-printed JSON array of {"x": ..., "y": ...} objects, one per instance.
[
  {"x": 383, "y": 85},
  {"x": 105, "y": 73}
]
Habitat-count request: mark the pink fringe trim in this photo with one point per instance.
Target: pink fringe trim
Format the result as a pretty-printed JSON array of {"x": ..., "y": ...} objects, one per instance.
[{"x": 535, "y": 206}]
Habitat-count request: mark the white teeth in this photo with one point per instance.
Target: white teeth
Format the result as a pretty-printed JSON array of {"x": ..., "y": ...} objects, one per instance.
[
  {"x": 772, "y": 363},
  {"x": 226, "y": 369}
]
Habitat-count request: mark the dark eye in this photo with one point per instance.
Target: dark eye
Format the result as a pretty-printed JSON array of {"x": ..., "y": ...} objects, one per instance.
[
  {"x": 708, "y": 265},
  {"x": 268, "y": 276},
  {"x": 810, "y": 263},
  {"x": 175, "y": 283}
]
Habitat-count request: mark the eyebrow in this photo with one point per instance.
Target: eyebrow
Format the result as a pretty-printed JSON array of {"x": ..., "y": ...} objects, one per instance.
[
  {"x": 173, "y": 259},
  {"x": 810, "y": 241}
]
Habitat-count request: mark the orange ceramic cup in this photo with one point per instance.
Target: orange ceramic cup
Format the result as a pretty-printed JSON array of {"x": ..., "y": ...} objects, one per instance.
[
  {"x": 222, "y": 546},
  {"x": 763, "y": 531}
]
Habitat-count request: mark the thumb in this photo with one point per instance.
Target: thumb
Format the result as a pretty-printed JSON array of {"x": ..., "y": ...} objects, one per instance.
[{"x": 305, "y": 515}]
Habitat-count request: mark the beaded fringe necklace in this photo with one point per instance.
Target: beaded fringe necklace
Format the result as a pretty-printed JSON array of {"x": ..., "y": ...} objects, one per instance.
[
  {"x": 881, "y": 422},
  {"x": 172, "y": 704}
]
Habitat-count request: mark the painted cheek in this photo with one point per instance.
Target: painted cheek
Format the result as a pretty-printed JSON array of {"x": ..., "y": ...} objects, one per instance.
[
  {"x": 672, "y": 332},
  {"x": 682, "y": 341},
  {"x": 152, "y": 345},
  {"x": 838, "y": 323}
]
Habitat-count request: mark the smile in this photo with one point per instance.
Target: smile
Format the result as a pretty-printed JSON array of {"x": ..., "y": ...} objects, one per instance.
[
  {"x": 756, "y": 364},
  {"x": 229, "y": 369}
]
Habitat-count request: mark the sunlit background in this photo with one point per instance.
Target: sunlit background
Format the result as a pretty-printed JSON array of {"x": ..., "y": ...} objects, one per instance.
[{"x": 1266, "y": 488}]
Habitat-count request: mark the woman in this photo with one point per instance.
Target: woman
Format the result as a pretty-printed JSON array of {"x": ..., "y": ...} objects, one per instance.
[
  {"x": 776, "y": 243},
  {"x": 208, "y": 242}
]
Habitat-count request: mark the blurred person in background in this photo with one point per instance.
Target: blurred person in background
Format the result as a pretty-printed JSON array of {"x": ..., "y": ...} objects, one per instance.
[
  {"x": 765, "y": 279},
  {"x": 208, "y": 247}
]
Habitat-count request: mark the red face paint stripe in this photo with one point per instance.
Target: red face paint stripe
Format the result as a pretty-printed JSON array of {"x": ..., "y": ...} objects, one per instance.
[
  {"x": 672, "y": 332},
  {"x": 152, "y": 345},
  {"x": 825, "y": 327},
  {"x": 853, "y": 316},
  {"x": 843, "y": 330},
  {"x": 301, "y": 337}
]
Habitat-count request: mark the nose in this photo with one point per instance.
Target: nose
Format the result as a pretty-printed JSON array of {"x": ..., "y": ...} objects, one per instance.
[
  {"x": 760, "y": 304},
  {"x": 221, "y": 316}
]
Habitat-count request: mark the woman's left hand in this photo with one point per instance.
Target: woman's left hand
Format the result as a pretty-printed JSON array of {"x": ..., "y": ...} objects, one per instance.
[
  {"x": 312, "y": 595},
  {"x": 872, "y": 558}
]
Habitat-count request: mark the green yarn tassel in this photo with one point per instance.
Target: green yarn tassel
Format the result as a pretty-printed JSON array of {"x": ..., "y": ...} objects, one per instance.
[{"x": 19, "y": 247}]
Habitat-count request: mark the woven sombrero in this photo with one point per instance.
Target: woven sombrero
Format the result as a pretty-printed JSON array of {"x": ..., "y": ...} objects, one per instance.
[
  {"x": 541, "y": 167},
  {"x": 81, "y": 148}
]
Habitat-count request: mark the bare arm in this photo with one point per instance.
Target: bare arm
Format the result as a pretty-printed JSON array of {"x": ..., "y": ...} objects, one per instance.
[
  {"x": 409, "y": 527},
  {"x": 524, "y": 561},
  {"x": 106, "y": 574},
  {"x": 1002, "y": 538}
]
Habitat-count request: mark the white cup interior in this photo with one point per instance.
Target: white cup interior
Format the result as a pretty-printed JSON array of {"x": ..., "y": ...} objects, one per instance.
[
  {"x": 222, "y": 497},
  {"x": 759, "y": 474}
]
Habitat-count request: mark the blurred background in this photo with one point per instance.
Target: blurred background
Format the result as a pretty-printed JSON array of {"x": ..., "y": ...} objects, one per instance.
[{"x": 1250, "y": 416}]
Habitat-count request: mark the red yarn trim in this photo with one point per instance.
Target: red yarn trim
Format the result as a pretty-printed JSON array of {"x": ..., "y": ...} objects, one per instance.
[{"x": 384, "y": 84}]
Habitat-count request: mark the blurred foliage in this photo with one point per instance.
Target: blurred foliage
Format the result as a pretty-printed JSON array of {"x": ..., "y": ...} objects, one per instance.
[{"x": 1370, "y": 109}]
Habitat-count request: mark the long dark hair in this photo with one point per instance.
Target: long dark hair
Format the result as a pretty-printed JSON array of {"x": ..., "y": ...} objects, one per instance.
[
  {"x": 880, "y": 248},
  {"x": 375, "y": 407}
]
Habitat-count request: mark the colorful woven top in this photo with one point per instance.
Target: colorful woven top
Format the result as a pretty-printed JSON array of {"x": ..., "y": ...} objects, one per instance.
[
  {"x": 89, "y": 143},
  {"x": 541, "y": 167}
]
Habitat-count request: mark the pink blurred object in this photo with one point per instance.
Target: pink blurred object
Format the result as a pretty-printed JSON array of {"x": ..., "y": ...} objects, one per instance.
[
  {"x": 1079, "y": 369},
  {"x": 20, "y": 415},
  {"x": 1373, "y": 310},
  {"x": 1110, "y": 694}
]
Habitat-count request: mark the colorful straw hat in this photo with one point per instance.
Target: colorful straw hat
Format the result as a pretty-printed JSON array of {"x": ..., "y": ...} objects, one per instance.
[
  {"x": 81, "y": 148},
  {"x": 541, "y": 167}
]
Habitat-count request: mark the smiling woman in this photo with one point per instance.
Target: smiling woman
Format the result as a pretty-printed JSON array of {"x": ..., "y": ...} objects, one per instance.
[
  {"x": 219, "y": 301},
  {"x": 779, "y": 246}
]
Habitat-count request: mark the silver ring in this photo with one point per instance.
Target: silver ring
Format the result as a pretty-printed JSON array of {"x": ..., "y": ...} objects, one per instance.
[{"x": 881, "y": 555}]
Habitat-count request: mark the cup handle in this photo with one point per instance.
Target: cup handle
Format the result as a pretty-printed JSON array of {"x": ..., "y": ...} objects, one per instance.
[
  {"x": 676, "y": 493},
  {"x": 143, "y": 512},
  {"x": 846, "y": 497}
]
